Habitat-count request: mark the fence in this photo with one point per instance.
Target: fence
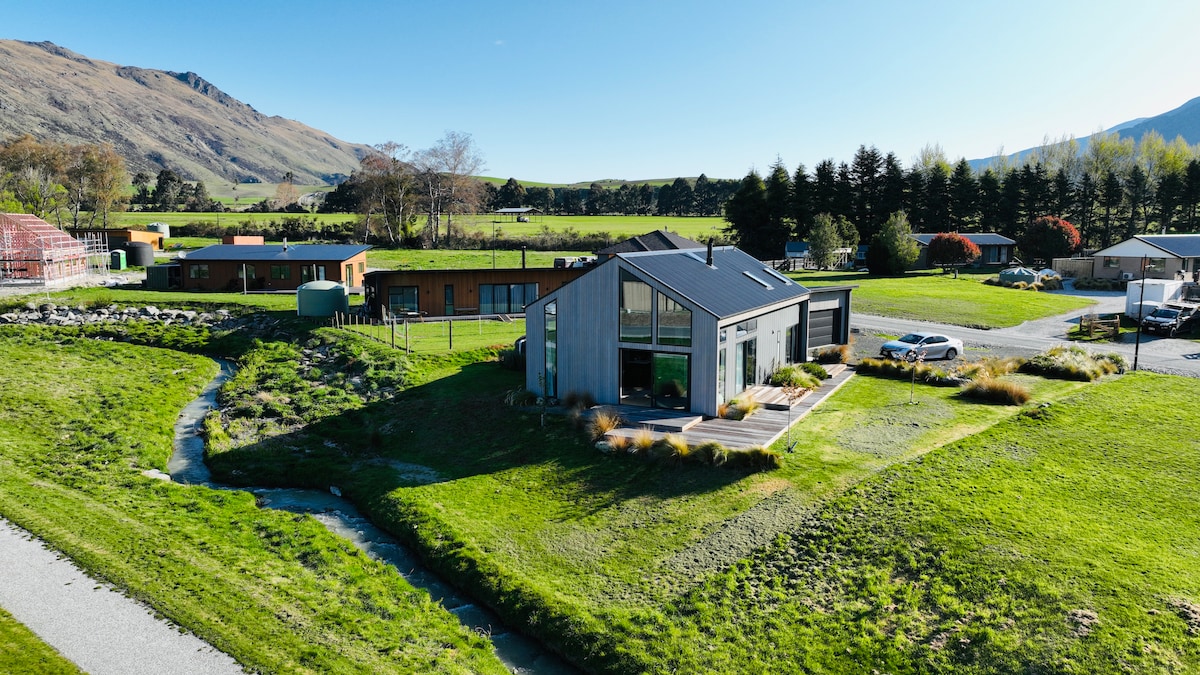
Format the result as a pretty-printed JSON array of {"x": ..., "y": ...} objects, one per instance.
[
  {"x": 1106, "y": 326},
  {"x": 431, "y": 336},
  {"x": 1072, "y": 267}
]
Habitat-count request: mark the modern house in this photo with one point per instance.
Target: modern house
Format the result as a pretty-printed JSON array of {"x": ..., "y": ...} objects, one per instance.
[
  {"x": 278, "y": 267},
  {"x": 994, "y": 249},
  {"x": 682, "y": 329},
  {"x": 452, "y": 292},
  {"x": 1167, "y": 256}
]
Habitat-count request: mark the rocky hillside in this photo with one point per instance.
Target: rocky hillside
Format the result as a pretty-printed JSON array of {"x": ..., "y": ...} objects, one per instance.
[{"x": 157, "y": 119}]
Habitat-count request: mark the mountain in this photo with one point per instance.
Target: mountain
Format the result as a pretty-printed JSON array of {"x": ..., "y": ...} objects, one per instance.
[
  {"x": 1182, "y": 121},
  {"x": 158, "y": 120}
]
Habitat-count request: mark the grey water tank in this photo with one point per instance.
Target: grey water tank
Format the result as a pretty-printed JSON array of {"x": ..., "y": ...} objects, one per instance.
[
  {"x": 322, "y": 298},
  {"x": 139, "y": 254}
]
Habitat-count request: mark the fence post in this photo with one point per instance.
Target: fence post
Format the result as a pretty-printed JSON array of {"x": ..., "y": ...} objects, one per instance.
[
  {"x": 393, "y": 333},
  {"x": 450, "y": 327}
]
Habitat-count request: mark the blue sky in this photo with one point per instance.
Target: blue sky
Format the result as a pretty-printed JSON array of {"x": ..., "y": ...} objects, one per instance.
[{"x": 573, "y": 91}]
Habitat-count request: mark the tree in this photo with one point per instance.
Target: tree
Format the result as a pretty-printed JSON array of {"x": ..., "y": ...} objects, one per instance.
[
  {"x": 705, "y": 197},
  {"x": 511, "y": 195},
  {"x": 893, "y": 250},
  {"x": 951, "y": 249},
  {"x": 683, "y": 198},
  {"x": 286, "y": 193},
  {"x": 802, "y": 213},
  {"x": 167, "y": 187},
  {"x": 1049, "y": 237},
  {"x": 386, "y": 188},
  {"x": 746, "y": 213},
  {"x": 779, "y": 207},
  {"x": 823, "y": 242},
  {"x": 964, "y": 197},
  {"x": 446, "y": 173}
]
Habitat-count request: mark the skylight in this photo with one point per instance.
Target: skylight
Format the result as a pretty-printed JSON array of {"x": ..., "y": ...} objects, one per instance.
[
  {"x": 765, "y": 285},
  {"x": 786, "y": 281}
]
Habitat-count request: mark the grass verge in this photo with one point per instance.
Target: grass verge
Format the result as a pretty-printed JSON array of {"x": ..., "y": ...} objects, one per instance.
[{"x": 23, "y": 653}]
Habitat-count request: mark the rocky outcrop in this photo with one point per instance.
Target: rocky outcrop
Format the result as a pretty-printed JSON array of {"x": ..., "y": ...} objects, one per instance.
[{"x": 50, "y": 314}]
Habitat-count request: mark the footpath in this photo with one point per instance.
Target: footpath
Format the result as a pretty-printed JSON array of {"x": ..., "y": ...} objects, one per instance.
[{"x": 92, "y": 625}]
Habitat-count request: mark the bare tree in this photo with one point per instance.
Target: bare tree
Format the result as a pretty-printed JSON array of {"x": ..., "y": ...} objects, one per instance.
[
  {"x": 446, "y": 172},
  {"x": 388, "y": 177}
]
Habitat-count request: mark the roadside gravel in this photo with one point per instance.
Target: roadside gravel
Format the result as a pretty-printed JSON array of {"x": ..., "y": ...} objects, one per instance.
[{"x": 92, "y": 625}]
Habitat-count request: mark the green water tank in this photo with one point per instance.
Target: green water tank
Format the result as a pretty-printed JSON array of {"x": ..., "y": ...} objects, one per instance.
[{"x": 322, "y": 299}]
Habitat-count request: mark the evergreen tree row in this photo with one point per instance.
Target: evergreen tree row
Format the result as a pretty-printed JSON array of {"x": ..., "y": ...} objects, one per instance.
[{"x": 703, "y": 197}]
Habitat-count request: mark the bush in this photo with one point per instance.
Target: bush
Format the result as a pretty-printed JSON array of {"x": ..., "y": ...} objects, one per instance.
[
  {"x": 582, "y": 400},
  {"x": 512, "y": 359},
  {"x": 711, "y": 453},
  {"x": 794, "y": 376},
  {"x": 757, "y": 458},
  {"x": 520, "y": 397},
  {"x": 997, "y": 391},
  {"x": 1073, "y": 363},
  {"x": 740, "y": 410},
  {"x": 815, "y": 369},
  {"x": 671, "y": 447}
]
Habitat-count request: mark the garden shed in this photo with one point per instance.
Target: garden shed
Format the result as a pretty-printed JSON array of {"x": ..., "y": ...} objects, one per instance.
[{"x": 34, "y": 251}]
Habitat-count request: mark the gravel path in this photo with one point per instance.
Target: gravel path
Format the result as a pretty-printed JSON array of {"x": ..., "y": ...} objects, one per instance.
[{"x": 100, "y": 630}]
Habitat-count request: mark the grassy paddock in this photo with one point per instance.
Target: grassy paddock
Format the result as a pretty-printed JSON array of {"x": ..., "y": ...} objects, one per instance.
[
  {"x": 434, "y": 337},
  {"x": 274, "y": 590},
  {"x": 928, "y": 295}
]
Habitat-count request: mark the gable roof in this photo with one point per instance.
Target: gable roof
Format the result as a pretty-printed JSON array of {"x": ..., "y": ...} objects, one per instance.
[
  {"x": 1182, "y": 245},
  {"x": 1154, "y": 245},
  {"x": 977, "y": 238},
  {"x": 736, "y": 282},
  {"x": 658, "y": 240},
  {"x": 277, "y": 252}
]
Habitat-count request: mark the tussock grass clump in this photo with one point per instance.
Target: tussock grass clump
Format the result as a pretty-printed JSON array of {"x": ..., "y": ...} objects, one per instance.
[
  {"x": 835, "y": 354},
  {"x": 618, "y": 444},
  {"x": 757, "y": 458},
  {"x": 602, "y": 422},
  {"x": 795, "y": 376},
  {"x": 993, "y": 390},
  {"x": 672, "y": 447},
  {"x": 711, "y": 453},
  {"x": 576, "y": 399},
  {"x": 642, "y": 442},
  {"x": 519, "y": 397},
  {"x": 816, "y": 370},
  {"x": 740, "y": 410},
  {"x": 1074, "y": 363}
]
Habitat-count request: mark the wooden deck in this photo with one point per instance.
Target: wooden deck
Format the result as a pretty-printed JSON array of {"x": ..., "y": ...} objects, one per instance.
[{"x": 762, "y": 428}]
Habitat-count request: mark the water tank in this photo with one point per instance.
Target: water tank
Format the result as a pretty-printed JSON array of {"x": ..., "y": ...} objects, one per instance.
[
  {"x": 1015, "y": 274},
  {"x": 139, "y": 254},
  {"x": 161, "y": 228},
  {"x": 322, "y": 298}
]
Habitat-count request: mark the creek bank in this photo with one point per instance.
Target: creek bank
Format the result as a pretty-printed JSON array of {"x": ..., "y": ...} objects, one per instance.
[{"x": 186, "y": 466}]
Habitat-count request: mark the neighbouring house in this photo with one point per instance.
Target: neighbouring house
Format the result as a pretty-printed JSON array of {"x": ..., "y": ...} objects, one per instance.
[
  {"x": 454, "y": 292},
  {"x": 658, "y": 240},
  {"x": 799, "y": 254},
  {"x": 1167, "y": 256},
  {"x": 994, "y": 249},
  {"x": 33, "y": 251},
  {"x": 275, "y": 267},
  {"x": 520, "y": 214},
  {"x": 122, "y": 238},
  {"x": 682, "y": 329}
]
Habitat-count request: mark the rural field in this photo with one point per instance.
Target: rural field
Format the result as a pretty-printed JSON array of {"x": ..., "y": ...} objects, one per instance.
[{"x": 949, "y": 535}]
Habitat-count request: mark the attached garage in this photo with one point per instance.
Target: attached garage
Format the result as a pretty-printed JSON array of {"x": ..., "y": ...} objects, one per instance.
[{"x": 823, "y": 328}]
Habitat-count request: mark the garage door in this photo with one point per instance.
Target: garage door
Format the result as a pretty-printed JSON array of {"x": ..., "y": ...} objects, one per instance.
[{"x": 823, "y": 328}]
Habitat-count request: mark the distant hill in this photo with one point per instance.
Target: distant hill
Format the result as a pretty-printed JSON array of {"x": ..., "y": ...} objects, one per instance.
[
  {"x": 159, "y": 119},
  {"x": 1182, "y": 121}
]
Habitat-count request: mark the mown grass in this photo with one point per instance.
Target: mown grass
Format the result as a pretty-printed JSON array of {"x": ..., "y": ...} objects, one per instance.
[
  {"x": 439, "y": 259},
  {"x": 581, "y": 548},
  {"x": 1060, "y": 540},
  {"x": 933, "y": 296},
  {"x": 80, "y": 419},
  {"x": 437, "y": 336},
  {"x": 96, "y": 297},
  {"x": 23, "y": 653}
]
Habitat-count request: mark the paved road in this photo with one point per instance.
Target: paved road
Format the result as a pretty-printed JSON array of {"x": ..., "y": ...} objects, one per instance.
[
  {"x": 1159, "y": 354},
  {"x": 100, "y": 630}
]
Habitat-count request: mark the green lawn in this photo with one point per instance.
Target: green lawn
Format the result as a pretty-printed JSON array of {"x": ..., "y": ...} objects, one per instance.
[
  {"x": 23, "y": 653},
  {"x": 933, "y": 296},
  {"x": 443, "y": 336},
  {"x": 80, "y": 419},
  {"x": 439, "y": 259}
]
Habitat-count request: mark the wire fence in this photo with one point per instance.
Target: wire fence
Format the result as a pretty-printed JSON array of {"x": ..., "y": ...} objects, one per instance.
[{"x": 433, "y": 336}]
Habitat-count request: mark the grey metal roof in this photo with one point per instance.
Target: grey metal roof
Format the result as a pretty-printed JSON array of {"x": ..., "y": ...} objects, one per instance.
[
  {"x": 977, "y": 238},
  {"x": 658, "y": 240},
  {"x": 521, "y": 209},
  {"x": 277, "y": 252},
  {"x": 1182, "y": 245},
  {"x": 736, "y": 282}
]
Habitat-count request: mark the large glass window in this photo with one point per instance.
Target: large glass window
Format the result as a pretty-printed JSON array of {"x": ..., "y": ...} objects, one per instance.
[
  {"x": 636, "y": 308},
  {"x": 674, "y": 323},
  {"x": 1156, "y": 265},
  {"x": 281, "y": 271},
  {"x": 245, "y": 271},
  {"x": 1111, "y": 262},
  {"x": 671, "y": 380},
  {"x": 551, "y": 349},
  {"x": 448, "y": 298},
  {"x": 402, "y": 299},
  {"x": 199, "y": 271},
  {"x": 506, "y": 298}
]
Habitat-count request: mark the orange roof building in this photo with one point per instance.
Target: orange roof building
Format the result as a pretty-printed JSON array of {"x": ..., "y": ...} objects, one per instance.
[{"x": 34, "y": 251}]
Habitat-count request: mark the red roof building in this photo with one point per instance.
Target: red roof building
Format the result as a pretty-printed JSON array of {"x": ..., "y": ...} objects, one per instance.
[{"x": 34, "y": 251}]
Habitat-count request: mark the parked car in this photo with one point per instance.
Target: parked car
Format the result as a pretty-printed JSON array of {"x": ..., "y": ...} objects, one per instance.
[
  {"x": 1171, "y": 318},
  {"x": 926, "y": 345}
]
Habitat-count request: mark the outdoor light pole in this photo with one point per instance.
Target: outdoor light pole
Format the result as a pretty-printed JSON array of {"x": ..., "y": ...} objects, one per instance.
[
  {"x": 493, "y": 243},
  {"x": 1141, "y": 310}
]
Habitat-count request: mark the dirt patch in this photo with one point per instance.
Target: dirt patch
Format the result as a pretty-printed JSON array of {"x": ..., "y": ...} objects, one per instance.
[
  {"x": 1188, "y": 611},
  {"x": 1082, "y": 621}
]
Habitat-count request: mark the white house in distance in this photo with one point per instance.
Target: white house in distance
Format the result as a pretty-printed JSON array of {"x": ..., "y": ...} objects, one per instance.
[
  {"x": 679, "y": 329},
  {"x": 1167, "y": 256}
]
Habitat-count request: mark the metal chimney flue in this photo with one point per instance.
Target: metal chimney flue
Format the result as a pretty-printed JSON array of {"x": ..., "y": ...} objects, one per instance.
[{"x": 709, "y": 260}]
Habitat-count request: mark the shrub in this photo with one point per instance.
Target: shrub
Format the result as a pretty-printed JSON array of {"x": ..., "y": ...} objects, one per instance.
[
  {"x": 512, "y": 359},
  {"x": 757, "y": 458},
  {"x": 1035, "y": 286},
  {"x": 740, "y": 410},
  {"x": 1019, "y": 285},
  {"x": 794, "y": 376},
  {"x": 603, "y": 421},
  {"x": 815, "y": 369},
  {"x": 618, "y": 443},
  {"x": 711, "y": 453},
  {"x": 1073, "y": 363},
  {"x": 997, "y": 391},
  {"x": 992, "y": 281}
]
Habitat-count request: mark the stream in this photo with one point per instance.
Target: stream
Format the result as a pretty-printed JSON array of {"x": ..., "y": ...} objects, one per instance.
[{"x": 520, "y": 653}]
